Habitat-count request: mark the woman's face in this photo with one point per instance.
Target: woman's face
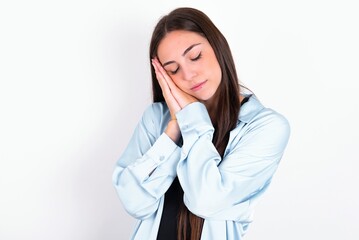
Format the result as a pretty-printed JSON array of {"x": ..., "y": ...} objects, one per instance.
[{"x": 190, "y": 61}]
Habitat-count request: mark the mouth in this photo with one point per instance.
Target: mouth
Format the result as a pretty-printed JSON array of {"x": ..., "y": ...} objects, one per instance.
[{"x": 198, "y": 86}]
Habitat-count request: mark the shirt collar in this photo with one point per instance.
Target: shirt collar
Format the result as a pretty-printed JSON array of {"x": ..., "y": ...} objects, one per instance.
[{"x": 250, "y": 108}]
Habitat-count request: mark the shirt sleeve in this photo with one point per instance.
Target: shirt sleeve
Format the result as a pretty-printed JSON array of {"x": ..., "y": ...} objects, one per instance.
[
  {"x": 222, "y": 189},
  {"x": 147, "y": 167}
]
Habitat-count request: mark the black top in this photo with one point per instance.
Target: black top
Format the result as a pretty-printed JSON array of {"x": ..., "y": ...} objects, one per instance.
[
  {"x": 168, "y": 224},
  {"x": 245, "y": 100},
  {"x": 173, "y": 198}
]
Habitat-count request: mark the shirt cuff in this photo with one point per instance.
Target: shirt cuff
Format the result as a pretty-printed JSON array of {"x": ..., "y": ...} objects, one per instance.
[
  {"x": 194, "y": 118},
  {"x": 159, "y": 153},
  {"x": 162, "y": 149}
]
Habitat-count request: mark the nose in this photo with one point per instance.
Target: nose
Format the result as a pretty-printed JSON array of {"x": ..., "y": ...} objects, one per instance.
[{"x": 188, "y": 73}]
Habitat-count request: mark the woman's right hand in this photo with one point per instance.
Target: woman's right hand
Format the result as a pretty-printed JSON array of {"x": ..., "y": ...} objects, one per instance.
[
  {"x": 163, "y": 80},
  {"x": 172, "y": 130}
]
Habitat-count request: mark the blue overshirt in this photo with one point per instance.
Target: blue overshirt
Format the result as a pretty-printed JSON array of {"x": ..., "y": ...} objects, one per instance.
[{"x": 223, "y": 191}]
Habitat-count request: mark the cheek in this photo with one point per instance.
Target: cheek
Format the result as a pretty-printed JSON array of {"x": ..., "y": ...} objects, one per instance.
[
  {"x": 178, "y": 82},
  {"x": 217, "y": 71},
  {"x": 175, "y": 79},
  {"x": 219, "y": 75}
]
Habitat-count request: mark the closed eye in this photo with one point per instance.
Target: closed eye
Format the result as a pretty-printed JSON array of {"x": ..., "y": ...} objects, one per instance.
[
  {"x": 198, "y": 57},
  {"x": 174, "y": 72},
  {"x": 192, "y": 59}
]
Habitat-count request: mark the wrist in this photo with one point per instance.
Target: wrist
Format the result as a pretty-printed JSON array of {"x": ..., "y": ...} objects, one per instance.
[{"x": 173, "y": 130}]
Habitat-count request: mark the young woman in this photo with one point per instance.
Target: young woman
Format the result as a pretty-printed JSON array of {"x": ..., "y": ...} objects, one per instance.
[{"x": 204, "y": 151}]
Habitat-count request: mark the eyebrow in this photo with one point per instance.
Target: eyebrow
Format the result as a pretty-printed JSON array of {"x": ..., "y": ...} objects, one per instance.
[{"x": 184, "y": 53}]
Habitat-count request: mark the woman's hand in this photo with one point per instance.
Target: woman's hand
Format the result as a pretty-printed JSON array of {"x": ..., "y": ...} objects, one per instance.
[
  {"x": 163, "y": 78},
  {"x": 175, "y": 98}
]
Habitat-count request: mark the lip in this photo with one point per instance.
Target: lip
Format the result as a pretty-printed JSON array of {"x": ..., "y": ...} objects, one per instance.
[{"x": 198, "y": 86}]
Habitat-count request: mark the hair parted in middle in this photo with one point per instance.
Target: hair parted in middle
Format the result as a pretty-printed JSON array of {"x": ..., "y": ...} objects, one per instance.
[{"x": 227, "y": 103}]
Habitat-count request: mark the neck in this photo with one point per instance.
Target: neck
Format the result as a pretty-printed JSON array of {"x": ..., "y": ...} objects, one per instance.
[
  {"x": 211, "y": 108},
  {"x": 211, "y": 105}
]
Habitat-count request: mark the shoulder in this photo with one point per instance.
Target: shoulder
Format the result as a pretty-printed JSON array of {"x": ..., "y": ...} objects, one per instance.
[
  {"x": 156, "y": 108},
  {"x": 155, "y": 114},
  {"x": 254, "y": 110},
  {"x": 272, "y": 123},
  {"x": 261, "y": 119}
]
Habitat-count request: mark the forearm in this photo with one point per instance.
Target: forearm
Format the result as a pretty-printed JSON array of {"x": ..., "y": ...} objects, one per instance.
[{"x": 141, "y": 184}]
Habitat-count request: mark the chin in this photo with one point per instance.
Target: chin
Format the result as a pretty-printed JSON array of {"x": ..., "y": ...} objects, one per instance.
[{"x": 206, "y": 98}]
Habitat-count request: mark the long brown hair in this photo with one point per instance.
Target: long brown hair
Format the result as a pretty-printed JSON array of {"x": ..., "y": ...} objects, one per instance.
[{"x": 228, "y": 103}]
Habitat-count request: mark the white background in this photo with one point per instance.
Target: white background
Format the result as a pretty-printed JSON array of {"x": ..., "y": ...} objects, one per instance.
[{"x": 75, "y": 79}]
